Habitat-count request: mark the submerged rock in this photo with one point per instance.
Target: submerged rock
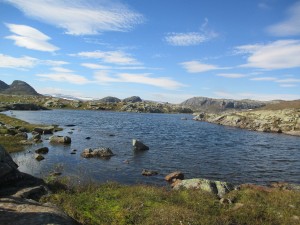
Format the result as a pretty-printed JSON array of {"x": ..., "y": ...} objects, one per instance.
[
  {"x": 97, "y": 152},
  {"x": 39, "y": 157},
  {"x": 44, "y": 130},
  {"x": 43, "y": 150},
  {"x": 149, "y": 172},
  {"x": 139, "y": 146},
  {"x": 60, "y": 139}
]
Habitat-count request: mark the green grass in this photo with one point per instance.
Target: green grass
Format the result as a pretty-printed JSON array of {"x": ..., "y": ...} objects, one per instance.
[{"x": 112, "y": 203}]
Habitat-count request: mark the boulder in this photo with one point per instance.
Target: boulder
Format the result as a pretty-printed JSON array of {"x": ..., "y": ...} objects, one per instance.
[
  {"x": 8, "y": 168},
  {"x": 22, "y": 135},
  {"x": 43, "y": 150},
  {"x": 44, "y": 130},
  {"x": 97, "y": 152},
  {"x": 39, "y": 157},
  {"x": 215, "y": 187},
  {"x": 172, "y": 177},
  {"x": 139, "y": 146},
  {"x": 60, "y": 139}
]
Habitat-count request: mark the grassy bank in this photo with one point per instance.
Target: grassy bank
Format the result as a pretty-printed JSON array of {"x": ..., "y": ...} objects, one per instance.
[{"x": 112, "y": 203}]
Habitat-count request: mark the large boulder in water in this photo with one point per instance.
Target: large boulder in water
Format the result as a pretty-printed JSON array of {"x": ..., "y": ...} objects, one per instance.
[
  {"x": 8, "y": 168},
  {"x": 60, "y": 139},
  {"x": 44, "y": 130},
  {"x": 139, "y": 146}
]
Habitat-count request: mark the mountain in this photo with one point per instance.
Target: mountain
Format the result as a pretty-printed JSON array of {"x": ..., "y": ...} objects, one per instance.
[
  {"x": 17, "y": 87},
  {"x": 218, "y": 105}
]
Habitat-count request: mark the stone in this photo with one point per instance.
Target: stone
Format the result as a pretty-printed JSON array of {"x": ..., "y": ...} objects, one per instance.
[
  {"x": 55, "y": 139},
  {"x": 139, "y": 146},
  {"x": 22, "y": 135},
  {"x": 97, "y": 152},
  {"x": 39, "y": 157},
  {"x": 215, "y": 187},
  {"x": 8, "y": 168},
  {"x": 43, "y": 150},
  {"x": 172, "y": 177},
  {"x": 44, "y": 130},
  {"x": 149, "y": 172}
]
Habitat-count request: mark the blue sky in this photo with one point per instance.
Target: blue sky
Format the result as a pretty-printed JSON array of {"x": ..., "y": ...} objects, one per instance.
[{"x": 162, "y": 50}]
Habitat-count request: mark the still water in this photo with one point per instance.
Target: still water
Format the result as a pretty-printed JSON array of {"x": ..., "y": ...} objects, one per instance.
[{"x": 198, "y": 149}]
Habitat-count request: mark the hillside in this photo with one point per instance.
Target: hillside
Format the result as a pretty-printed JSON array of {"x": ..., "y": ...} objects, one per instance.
[
  {"x": 17, "y": 88},
  {"x": 219, "y": 105}
]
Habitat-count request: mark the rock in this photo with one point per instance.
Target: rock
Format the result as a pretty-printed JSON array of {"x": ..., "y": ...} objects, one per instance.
[
  {"x": 36, "y": 137},
  {"x": 133, "y": 99},
  {"x": 27, "y": 142},
  {"x": 88, "y": 138},
  {"x": 149, "y": 172},
  {"x": 172, "y": 177},
  {"x": 56, "y": 173},
  {"x": 22, "y": 135},
  {"x": 44, "y": 130},
  {"x": 39, "y": 157},
  {"x": 43, "y": 150},
  {"x": 8, "y": 168},
  {"x": 110, "y": 99},
  {"x": 60, "y": 139},
  {"x": 215, "y": 187},
  {"x": 70, "y": 125},
  {"x": 23, "y": 129},
  {"x": 97, "y": 152},
  {"x": 285, "y": 186},
  {"x": 139, "y": 146}
]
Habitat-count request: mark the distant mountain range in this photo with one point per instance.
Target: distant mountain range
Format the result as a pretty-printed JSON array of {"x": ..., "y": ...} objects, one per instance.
[{"x": 17, "y": 87}]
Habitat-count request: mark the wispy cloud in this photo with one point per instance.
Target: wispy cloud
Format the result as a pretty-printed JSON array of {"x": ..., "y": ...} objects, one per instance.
[
  {"x": 162, "y": 82},
  {"x": 95, "y": 66},
  {"x": 79, "y": 17},
  {"x": 231, "y": 75},
  {"x": 255, "y": 96},
  {"x": 30, "y": 38},
  {"x": 288, "y": 80},
  {"x": 64, "y": 77},
  {"x": 288, "y": 85},
  {"x": 61, "y": 70},
  {"x": 24, "y": 62},
  {"x": 290, "y": 26},
  {"x": 191, "y": 38},
  {"x": 282, "y": 54},
  {"x": 264, "y": 79},
  {"x": 112, "y": 57},
  {"x": 198, "y": 67},
  {"x": 186, "y": 39}
]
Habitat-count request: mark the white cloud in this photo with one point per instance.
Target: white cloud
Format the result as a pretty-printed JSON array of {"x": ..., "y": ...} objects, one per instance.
[
  {"x": 231, "y": 75},
  {"x": 288, "y": 80},
  {"x": 31, "y": 38},
  {"x": 80, "y": 17},
  {"x": 289, "y": 27},
  {"x": 198, "y": 67},
  {"x": 95, "y": 66},
  {"x": 162, "y": 82},
  {"x": 185, "y": 39},
  {"x": 288, "y": 85},
  {"x": 282, "y": 54},
  {"x": 61, "y": 70},
  {"x": 112, "y": 57},
  {"x": 24, "y": 62},
  {"x": 64, "y": 77},
  {"x": 255, "y": 96},
  {"x": 53, "y": 62},
  {"x": 264, "y": 79}
]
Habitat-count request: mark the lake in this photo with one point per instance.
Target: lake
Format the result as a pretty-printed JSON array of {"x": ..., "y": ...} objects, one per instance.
[{"x": 198, "y": 149}]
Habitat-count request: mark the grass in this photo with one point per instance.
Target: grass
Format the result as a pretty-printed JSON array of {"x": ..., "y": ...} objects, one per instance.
[{"x": 112, "y": 203}]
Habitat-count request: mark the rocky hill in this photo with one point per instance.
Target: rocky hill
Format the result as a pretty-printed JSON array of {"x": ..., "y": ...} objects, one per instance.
[
  {"x": 17, "y": 88},
  {"x": 219, "y": 105}
]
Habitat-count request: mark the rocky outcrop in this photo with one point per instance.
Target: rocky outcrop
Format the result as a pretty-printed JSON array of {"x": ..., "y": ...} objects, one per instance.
[
  {"x": 139, "y": 146},
  {"x": 132, "y": 99},
  {"x": 8, "y": 168},
  {"x": 97, "y": 152},
  {"x": 215, "y": 187},
  {"x": 278, "y": 121},
  {"x": 17, "y": 88},
  {"x": 218, "y": 105},
  {"x": 24, "y": 106},
  {"x": 173, "y": 177},
  {"x": 55, "y": 139},
  {"x": 110, "y": 99}
]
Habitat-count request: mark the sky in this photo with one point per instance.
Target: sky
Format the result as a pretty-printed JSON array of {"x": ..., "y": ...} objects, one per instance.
[{"x": 161, "y": 50}]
